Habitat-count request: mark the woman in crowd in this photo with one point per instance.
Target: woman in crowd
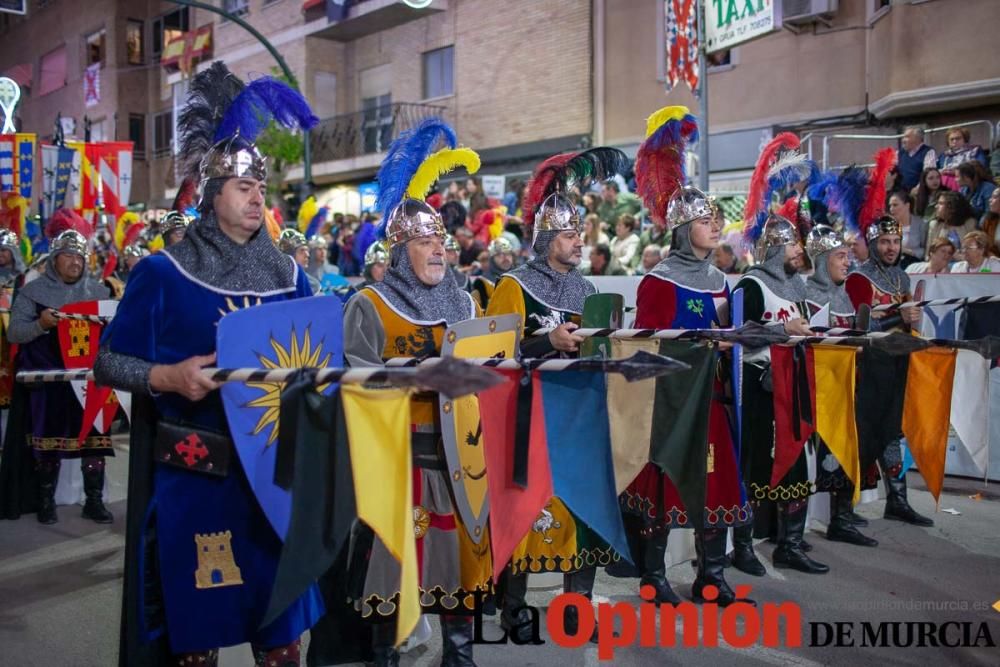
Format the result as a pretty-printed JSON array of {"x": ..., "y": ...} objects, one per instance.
[
  {"x": 958, "y": 152},
  {"x": 914, "y": 227},
  {"x": 625, "y": 245},
  {"x": 991, "y": 221},
  {"x": 977, "y": 185},
  {"x": 591, "y": 201},
  {"x": 926, "y": 194},
  {"x": 974, "y": 246},
  {"x": 939, "y": 258},
  {"x": 593, "y": 236},
  {"x": 953, "y": 219}
]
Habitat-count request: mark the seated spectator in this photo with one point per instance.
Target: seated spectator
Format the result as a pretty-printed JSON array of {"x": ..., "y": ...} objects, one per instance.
[
  {"x": 913, "y": 157},
  {"x": 926, "y": 194},
  {"x": 625, "y": 245},
  {"x": 941, "y": 252},
  {"x": 991, "y": 221},
  {"x": 650, "y": 258},
  {"x": 593, "y": 234},
  {"x": 725, "y": 259},
  {"x": 914, "y": 228},
  {"x": 976, "y": 186},
  {"x": 602, "y": 263},
  {"x": 953, "y": 219},
  {"x": 590, "y": 202},
  {"x": 615, "y": 203},
  {"x": 656, "y": 233},
  {"x": 974, "y": 247},
  {"x": 471, "y": 248},
  {"x": 959, "y": 151}
]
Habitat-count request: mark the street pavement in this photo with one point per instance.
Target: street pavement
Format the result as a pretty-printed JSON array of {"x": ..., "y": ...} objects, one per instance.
[{"x": 60, "y": 592}]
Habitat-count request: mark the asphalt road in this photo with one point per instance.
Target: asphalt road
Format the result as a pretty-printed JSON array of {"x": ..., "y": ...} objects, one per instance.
[{"x": 60, "y": 592}]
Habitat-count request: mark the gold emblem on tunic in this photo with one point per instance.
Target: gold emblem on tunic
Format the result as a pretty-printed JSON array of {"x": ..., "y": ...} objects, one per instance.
[{"x": 216, "y": 567}]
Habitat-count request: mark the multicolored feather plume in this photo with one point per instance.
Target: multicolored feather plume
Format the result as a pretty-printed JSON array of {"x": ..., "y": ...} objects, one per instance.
[
  {"x": 659, "y": 162},
  {"x": 555, "y": 174},
  {"x": 780, "y": 167}
]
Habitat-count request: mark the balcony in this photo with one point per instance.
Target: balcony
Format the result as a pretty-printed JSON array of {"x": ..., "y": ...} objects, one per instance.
[
  {"x": 354, "y": 144},
  {"x": 366, "y": 17}
]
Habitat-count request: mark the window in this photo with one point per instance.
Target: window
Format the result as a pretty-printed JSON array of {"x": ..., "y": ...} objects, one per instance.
[
  {"x": 163, "y": 134},
  {"x": 877, "y": 9},
  {"x": 133, "y": 41},
  {"x": 236, "y": 7},
  {"x": 166, "y": 28},
  {"x": 439, "y": 72},
  {"x": 52, "y": 73},
  {"x": 324, "y": 98},
  {"x": 95, "y": 49},
  {"x": 137, "y": 135},
  {"x": 377, "y": 123},
  {"x": 95, "y": 130}
]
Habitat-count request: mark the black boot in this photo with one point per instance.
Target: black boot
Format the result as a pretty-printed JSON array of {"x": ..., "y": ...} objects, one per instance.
[
  {"x": 515, "y": 618},
  {"x": 841, "y": 528},
  {"x": 456, "y": 638},
  {"x": 743, "y": 558},
  {"x": 710, "y": 547},
  {"x": 582, "y": 582},
  {"x": 897, "y": 508},
  {"x": 654, "y": 568},
  {"x": 93, "y": 488},
  {"x": 384, "y": 651},
  {"x": 858, "y": 520},
  {"x": 792, "y": 524},
  {"x": 48, "y": 477}
]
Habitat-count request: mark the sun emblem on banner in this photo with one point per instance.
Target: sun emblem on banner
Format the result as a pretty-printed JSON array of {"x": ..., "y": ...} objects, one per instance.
[{"x": 297, "y": 355}]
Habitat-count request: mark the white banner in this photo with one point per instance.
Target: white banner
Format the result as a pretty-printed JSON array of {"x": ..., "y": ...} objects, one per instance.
[{"x": 728, "y": 23}]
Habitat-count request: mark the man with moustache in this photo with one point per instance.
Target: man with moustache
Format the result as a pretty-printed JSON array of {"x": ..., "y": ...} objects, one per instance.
[
  {"x": 831, "y": 258},
  {"x": 878, "y": 281},
  {"x": 773, "y": 295}
]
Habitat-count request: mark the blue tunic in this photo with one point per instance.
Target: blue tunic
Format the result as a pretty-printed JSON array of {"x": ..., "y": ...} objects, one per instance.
[{"x": 165, "y": 317}]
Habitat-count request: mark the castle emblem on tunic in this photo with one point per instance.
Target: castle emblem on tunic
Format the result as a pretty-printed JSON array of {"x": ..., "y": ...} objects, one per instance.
[{"x": 216, "y": 567}]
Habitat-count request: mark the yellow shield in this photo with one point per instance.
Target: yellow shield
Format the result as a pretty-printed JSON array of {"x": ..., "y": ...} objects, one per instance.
[{"x": 462, "y": 433}]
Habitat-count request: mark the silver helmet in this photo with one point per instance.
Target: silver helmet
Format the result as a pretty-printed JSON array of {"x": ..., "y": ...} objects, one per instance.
[
  {"x": 232, "y": 157},
  {"x": 778, "y": 231},
  {"x": 884, "y": 226},
  {"x": 688, "y": 204},
  {"x": 823, "y": 238},
  {"x": 70, "y": 241},
  {"x": 451, "y": 244},
  {"x": 318, "y": 242},
  {"x": 412, "y": 219},
  {"x": 172, "y": 221},
  {"x": 377, "y": 253},
  {"x": 134, "y": 251},
  {"x": 557, "y": 214},
  {"x": 500, "y": 245},
  {"x": 291, "y": 240},
  {"x": 9, "y": 240}
]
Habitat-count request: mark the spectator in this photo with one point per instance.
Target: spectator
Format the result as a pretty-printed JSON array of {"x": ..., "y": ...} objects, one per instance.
[
  {"x": 650, "y": 258},
  {"x": 625, "y": 245},
  {"x": 927, "y": 192},
  {"x": 512, "y": 198},
  {"x": 725, "y": 260},
  {"x": 470, "y": 247},
  {"x": 453, "y": 215},
  {"x": 664, "y": 252},
  {"x": 953, "y": 219},
  {"x": 590, "y": 202},
  {"x": 913, "y": 157},
  {"x": 940, "y": 255},
  {"x": 959, "y": 151},
  {"x": 602, "y": 263},
  {"x": 976, "y": 186},
  {"x": 614, "y": 203},
  {"x": 995, "y": 161},
  {"x": 655, "y": 234},
  {"x": 991, "y": 221},
  {"x": 974, "y": 246},
  {"x": 914, "y": 244}
]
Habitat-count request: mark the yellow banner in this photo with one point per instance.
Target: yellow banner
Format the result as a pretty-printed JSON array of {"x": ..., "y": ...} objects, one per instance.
[
  {"x": 835, "y": 421},
  {"x": 378, "y": 427}
]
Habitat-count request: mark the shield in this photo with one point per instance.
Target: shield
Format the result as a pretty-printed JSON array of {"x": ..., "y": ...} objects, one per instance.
[
  {"x": 78, "y": 344},
  {"x": 285, "y": 334},
  {"x": 601, "y": 311},
  {"x": 462, "y": 430}
]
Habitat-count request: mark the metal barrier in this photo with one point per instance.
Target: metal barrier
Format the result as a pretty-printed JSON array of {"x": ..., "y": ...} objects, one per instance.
[{"x": 992, "y": 132}]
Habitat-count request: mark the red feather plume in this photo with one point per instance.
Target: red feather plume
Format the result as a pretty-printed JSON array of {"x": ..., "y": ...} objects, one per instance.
[
  {"x": 758, "y": 182},
  {"x": 185, "y": 195},
  {"x": 64, "y": 219},
  {"x": 658, "y": 175},
  {"x": 543, "y": 183},
  {"x": 132, "y": 234},
  {"x": 790, "y": 210},
  {"x": 874, "y": 204},
  {"x": 109, "y": 266}
]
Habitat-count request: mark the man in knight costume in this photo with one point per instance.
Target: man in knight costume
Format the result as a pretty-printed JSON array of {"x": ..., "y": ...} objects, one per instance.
[
  {"x": 52, "y": 415},
  {"x": 501, "y": 252},
  {"x": 376, "y": 263},
  {"x": 831, "y": 258},
  {"x": 206, "y": 519},
  {"x": 293, "y": 243},
  {"x": 452, "y": 251},
  {"x": 877, "y": 281},
  {"x": 406, "y": 315}
]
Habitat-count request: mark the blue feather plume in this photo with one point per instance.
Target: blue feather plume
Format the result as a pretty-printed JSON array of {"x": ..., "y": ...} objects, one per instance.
[
  {"x": 404, "y": 157},
  {"x": 783, "y": 180},
  {"x": 317, "y": 221},
  {"x": 259, "y": 103},
  {"x": 843, "y": 193}
]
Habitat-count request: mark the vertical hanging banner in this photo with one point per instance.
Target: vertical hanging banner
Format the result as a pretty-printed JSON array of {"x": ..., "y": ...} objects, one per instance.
[
  {"x": 84, "y": 199},
  {"x": 7, "y": 163},
  {"x": 25, "y": 164},
  {"x": 681, "y": 33},
  {"x": 113, "y": 162},
  {"x": 92, "y": 85}
]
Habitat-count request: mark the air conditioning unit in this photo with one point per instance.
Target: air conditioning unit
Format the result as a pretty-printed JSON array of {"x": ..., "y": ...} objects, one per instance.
[{"x": 800, "y": 12}]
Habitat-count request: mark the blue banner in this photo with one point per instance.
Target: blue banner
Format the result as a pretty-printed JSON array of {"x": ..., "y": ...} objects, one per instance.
[
  {"x": 64, "y": 166},
  {"x": 285, "y": 334},
  {"x": 25, "y": 164}
]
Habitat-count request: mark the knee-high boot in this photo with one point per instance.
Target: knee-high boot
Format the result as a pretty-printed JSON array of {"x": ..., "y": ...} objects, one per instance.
[
  {"x": 93, "y": 489},
  {"x": 48, "y": 477},
  {"x": 897, "y": 507},
  {"x": 384, "y": 645},
  {"x": 789, "y": 553},
  {"x": 654, "y": 567},
  {"x": 710, "y": 547},
  {"x": 842, "y": 527},
  {"x": 456, "y": 638},
  {"x": 744, "y": 558},
  {"x": 515, "y": 618},
  {"x": 582, "y": 582}
]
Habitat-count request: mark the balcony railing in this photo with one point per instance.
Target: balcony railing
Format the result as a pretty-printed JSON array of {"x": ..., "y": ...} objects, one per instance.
[{"x": 366, "y": 132}]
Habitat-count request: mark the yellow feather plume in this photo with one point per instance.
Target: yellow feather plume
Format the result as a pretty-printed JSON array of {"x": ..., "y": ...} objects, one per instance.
[
  {"x": 660, "y": 117},
  {"x": 307, "y": 212},
  {"x": 439, "y": 164},
  {"x": 156, "y": 245},
  {"x": 273, "y": 228},
  {"x": 122, "y": 225}
]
